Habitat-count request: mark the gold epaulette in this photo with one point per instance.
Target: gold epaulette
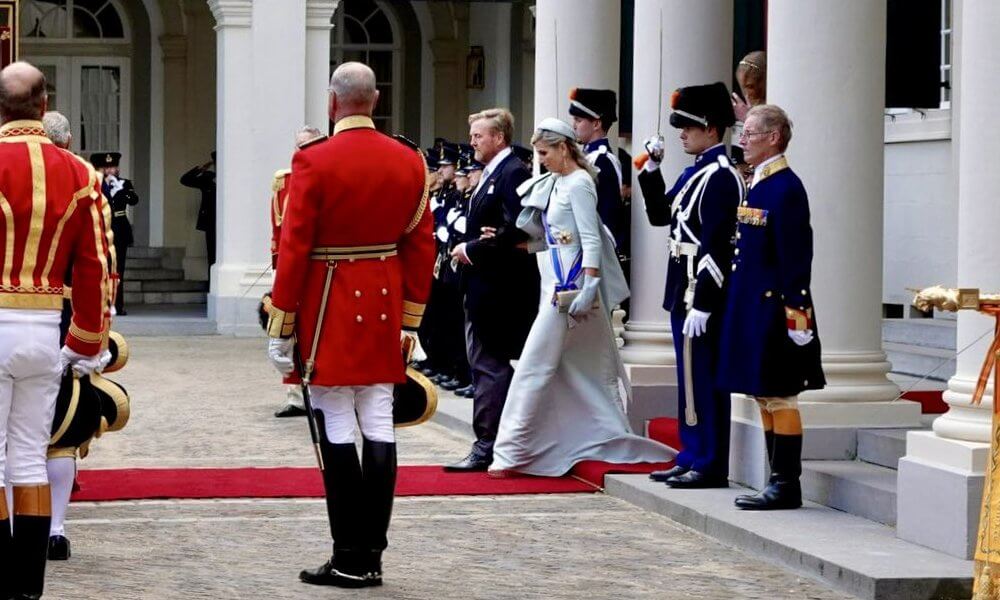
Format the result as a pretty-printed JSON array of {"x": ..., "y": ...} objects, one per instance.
[{"x": 279, "y": 180}]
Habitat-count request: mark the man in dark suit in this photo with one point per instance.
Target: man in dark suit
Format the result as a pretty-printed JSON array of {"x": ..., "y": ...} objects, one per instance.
[
  {"x": 202, "y": 178},
  {"x": 120, "y": 194},
  {"x": 499, "y": 279}
]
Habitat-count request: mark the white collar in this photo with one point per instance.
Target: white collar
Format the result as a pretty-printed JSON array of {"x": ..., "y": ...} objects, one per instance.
[{"x": 496, "y": 161}]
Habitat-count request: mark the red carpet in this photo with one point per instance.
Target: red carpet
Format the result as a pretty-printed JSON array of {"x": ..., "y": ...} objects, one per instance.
[
  {"x": 298, "y": 482},
  {"x": 931, "y": 402},
  {"x": 666, "y": 431},
  {"x": 593, "y": 471}
]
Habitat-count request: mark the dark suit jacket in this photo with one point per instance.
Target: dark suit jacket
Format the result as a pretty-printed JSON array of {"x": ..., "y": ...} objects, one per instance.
[
  {"x": 501, "y": 284},
  {"x": 204, "y": 181}
]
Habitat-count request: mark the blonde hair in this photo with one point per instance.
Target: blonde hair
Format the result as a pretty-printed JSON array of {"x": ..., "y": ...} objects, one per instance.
[
  {"x": 753, "y": 71},
  {"x": 554, "y": 140},
  {"x": 499, "y": 120},
  {"x": 773, "y": 117}
]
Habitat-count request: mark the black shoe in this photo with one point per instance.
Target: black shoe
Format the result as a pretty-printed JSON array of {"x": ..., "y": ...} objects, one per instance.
[
  {"x": 663, "y": 476},
  {"x": 440, "y": 378},
  {"x": 290, "y": 410},
  {"x": 451, "y": 384},
  {"x": 473, "y": 462},
  {"x": 58, "y": 547},
  {"x": 466, "y": 392},
  {"x": 329, "y": 575},
  {"x": 427, "y": 370},
  {"x": 778, "y": 495},
  {"x": 695, "y": 480}
]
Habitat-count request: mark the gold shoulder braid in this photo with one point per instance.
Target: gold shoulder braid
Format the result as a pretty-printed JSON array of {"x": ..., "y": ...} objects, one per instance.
[{"x": 423, "y": 199}]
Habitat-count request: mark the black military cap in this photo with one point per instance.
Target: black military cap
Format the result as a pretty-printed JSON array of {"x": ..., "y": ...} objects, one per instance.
[
  {"x": 467, "y": 159},
  {"x": 447, "y": 154},
  {"x": 525, "y": 155},
  {"x": 430, "y": 156},
  {"x": 701, "y": 106},
  {"x": 594, "y": 104},
  {"x": 105, "y": 159}
]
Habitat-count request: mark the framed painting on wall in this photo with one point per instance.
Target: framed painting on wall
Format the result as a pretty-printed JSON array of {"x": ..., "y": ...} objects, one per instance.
[{"x": 8, "y": 32}]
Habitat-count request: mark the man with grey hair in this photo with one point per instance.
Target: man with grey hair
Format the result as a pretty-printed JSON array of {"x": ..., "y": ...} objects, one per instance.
[
  {"x": 770, "y": 346},
  {"x": 58, "y": 129},
  {"x": 282, "y": 183},
  {"x": 353, "y": 277}
]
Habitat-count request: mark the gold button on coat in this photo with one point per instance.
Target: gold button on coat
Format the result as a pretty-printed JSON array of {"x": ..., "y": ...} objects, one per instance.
[
  {"x": 767, "y": 294},
  {"x": 383, "y": 317},
  {"x": 385, "y": 292},
  {"x": 358, "y": 319},
  {"x": 357, "y": 293}
]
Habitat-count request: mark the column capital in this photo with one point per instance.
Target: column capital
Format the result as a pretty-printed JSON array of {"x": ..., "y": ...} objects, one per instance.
[
  {"x": 173, "y": 46},
  {"x": 320, "y": 12},
  {"x": 231, "y": 13}
]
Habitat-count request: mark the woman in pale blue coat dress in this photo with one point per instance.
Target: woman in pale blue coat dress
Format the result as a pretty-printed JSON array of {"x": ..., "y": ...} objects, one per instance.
[{"x": 564, "y": 403}]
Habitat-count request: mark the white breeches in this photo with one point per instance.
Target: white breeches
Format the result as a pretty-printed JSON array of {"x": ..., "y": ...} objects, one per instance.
[
  {"x": 29, "y": 384},
  {"x": 773, "y": 404},
  {"x": 62, "y": 472},
  {"x": 345, "y": 408},
  {"x": 293, "y": 395}
]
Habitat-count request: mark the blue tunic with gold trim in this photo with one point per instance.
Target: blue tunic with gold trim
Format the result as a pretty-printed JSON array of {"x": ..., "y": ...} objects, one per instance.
[{"x": 769, "y": 292}]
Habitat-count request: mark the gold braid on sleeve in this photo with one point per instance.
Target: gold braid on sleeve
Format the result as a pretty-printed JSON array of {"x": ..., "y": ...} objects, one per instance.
[{"x": 423, "y": 199}]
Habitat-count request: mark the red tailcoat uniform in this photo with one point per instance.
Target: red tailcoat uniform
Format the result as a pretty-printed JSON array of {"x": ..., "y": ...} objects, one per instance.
[
  {"x": 51, "y": 216},
  {"x": 279, "y": 198},
  {"x": 360, "y": 196}
]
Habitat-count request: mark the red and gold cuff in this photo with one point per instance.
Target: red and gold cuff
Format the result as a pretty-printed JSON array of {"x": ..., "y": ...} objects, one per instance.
[
  {"x": 413, "y": 313},
  {"x": 281, "y": 324},
  {"x": 799, "y": 319}
]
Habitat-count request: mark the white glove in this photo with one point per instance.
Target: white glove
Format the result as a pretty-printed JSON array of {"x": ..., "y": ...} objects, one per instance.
[
  {"x": 801, "y": 337},
  {"x": 586, "y": 299},
  {"x": 696, "y": 323},
  {"x": 654, "y": 148},
  {"x": 410, "y": 344},
  {"x": 104, "y": 359},
  {"x": 279, "y": 351},
  {"x": 82, "y": 365},
  {"x": 116, "y": 185}
]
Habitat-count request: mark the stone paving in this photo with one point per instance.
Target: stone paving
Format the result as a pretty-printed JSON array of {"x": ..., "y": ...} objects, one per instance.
[{"x": 208, "y": 402}]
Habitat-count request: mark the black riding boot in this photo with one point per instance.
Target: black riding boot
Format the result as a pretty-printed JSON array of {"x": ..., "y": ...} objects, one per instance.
[
  {"x": 784, "y": 491},
  {"x": 6, "y": 544},
  {"x": 343, "y": 482},
  {"x": 769, "y": 443},
  {"x": 30, "y": 540},
  {"x": 379, "y": 466}
]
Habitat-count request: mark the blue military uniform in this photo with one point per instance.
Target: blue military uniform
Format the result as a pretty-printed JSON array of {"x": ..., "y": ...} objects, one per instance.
[
  {"x": 700, "y": 210},
  {"x": 602, "y": 105},
  {"x": 769, "y": 291}
]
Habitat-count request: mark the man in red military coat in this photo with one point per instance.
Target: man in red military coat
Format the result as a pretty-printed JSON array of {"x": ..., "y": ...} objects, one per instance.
[
  {"x": 50, "y": 211},
  {"x": 354, "y": 271},
  {"x": 280, "y": 186}
]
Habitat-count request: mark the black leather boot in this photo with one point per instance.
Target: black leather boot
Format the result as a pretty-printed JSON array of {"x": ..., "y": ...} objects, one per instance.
[
  {"x": 769, "y": 444},
  {"x": 379, "y": 467},
  {"x": 30, "y": 540},
  {"x": 343, "y": 482},
  {"x": 6, "y": 544},
  {"x": 784, "y": 491}
]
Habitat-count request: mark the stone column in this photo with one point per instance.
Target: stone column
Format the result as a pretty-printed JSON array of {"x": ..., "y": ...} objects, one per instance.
[
  {"x": 952, "y": 458},
  {"x": 839, "y": 156},
  {"x": 318, "y": 26},
  {"x": 577, "y": 44},
  {"x": 261, "y": 103},
  {"x": 697, "y": 48}
]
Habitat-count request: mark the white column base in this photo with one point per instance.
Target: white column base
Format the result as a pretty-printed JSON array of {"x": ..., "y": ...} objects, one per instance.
[
  {"x": 648, "y": 343},
  {"x": 939, "y": 491},
  {"x": 236, "y": 292},
  {"x": 963, "y": 421},
  {"x": 654, "y": 394},
  {"x": 854, "y": 377}
]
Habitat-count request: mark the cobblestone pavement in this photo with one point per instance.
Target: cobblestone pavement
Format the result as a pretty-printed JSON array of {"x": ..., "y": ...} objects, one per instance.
[{"x": 199, "y": 402}]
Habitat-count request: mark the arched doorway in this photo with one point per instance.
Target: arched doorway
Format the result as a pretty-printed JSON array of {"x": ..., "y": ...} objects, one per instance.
[
  {"x": 84, "y": 47},
  {"x": 368, "y": 31}
]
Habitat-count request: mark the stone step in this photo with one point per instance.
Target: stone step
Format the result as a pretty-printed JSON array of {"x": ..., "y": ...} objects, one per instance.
[
  {"x": 165, "y": 319},
  {"x": 172, "y": 286},
  {"x": 882, "y": 447},
  {"x": 930, "y": 333},
  {"x": 850, "y": 553},
  {"x": 154, "y": 275},
  {"x": 145, "y": 252},
  {"x": 143, "y": 263},
  {"x": 855, "y": 487},
  {"x": 935, "y": 363},
  {"x": 166, "y": 298}
]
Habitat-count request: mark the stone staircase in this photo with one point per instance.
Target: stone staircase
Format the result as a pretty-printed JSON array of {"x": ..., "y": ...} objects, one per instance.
[
  {"x": 918, "y": 346},
  {"x": 156, "y": 276}
]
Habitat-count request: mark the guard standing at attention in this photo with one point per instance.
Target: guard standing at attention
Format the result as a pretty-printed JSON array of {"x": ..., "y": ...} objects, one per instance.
[
  {"x": 770, "y": 345},
  {"x": 120, "y": 193},
  {"x": 700, "y": 210}
]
